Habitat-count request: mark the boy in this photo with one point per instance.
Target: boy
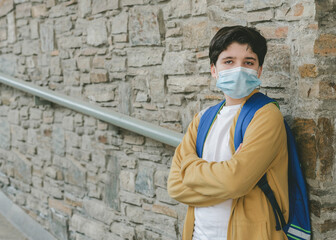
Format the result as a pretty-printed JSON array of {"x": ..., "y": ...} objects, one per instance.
[{"x": 220, "y": 188}]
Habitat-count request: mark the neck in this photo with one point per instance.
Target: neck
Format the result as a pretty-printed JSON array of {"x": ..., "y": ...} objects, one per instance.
[{"x": 232, "y": 101}]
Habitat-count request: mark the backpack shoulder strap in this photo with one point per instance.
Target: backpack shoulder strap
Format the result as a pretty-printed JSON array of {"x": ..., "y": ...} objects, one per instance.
[
  {"x": 204, "y": 126},
  {"x": 251, "y": 106}
]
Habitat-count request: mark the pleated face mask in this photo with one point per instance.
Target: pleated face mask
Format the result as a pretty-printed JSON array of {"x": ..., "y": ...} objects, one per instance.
[{"x": 238, "y": 82}]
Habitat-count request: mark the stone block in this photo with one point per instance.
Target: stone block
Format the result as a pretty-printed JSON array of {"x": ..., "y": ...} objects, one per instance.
[
  {"x": 161, "y": 224},
  {"x": 55, "y": 66},
  {"x": 5, "y": 135},
  {"x": 301, "y": 10},
  {"x": 71, "y": 78},
  {"x": 273, "y": 32},
  {"x": 30, "y": 47},
  {"x": 144, "y": 27},
  {"x": 111, "y": 197},
  {"x": 99, "y": 6},
  {"x": 60, "y": 206},
  {"x": 84, "y": 64},
  {"x": 14, "y": 117},
  {"x": 226, "y": 18},
  {"x": 142, "y": 97},
  {"x": 199, "y": 7},
  {"x": 96, "y": 32},
  {"x": 325, "y": 45},
  {"x": 59, "y": 225},
  {"x": 35, "y": 114},
  {"x": 98, "y": 210},
  {"x": 127, "y": 181},
  {"x": 63, "y": 24},
  {"x": 90, "y": 228},
  {"x": 154, "y": 157},
  {"x": 251, "y": 5},
  {"x": 62, "y": 9},
  {"x": 308, "y": 70},
  {"x": 8, "y": 64},
  {"x": 196, "y": 34},
  {"x": 327, "y": 89},
  {"x": 277, "y": 59},
  {"x": 11, "y": 36},
  {"x": 178, "y": 63},
  {"x": 135, "y": 214},
  {"x": 174, "y": 32},
  {"x": 58, "y": 141},
  {"x": 99, "y": 159},
  {"x": 170, "y": 115},
  {"x": 144, "y": 234},
  {"x": 74, "y": 173},
  {"x": 144, "y": 183},
  {"x": 34, "y": 28},
  {"x": 98, "y": 76},
  {"x": 23, "y": 10},
  {"x": 124, "y": 230},
  {"x": 84, "y": 8},
  {"x": 138, "y": 57},
  {"x": 161, "y": 177},
  {"x": 325, "y": 150},
  {"x": 173, "y": 44},
  {"x": 178, "y": 9},
  {"x": 69, "y": 64},
  {"x": 98, "y": 62},
  {"x": 120, "y": 23},
  {"x": 39, "y": 11},
  {"x": 187, "y": 84},
  {"x": 70, "y": 42},
  {"x": 6, "y": 7},
  {"x": 134, "y": 2},
  {"x": 22, "y": 168},
  {"x": 260, "y": 16},
  {"x": 3, "y": 34},
  {"x": 116, "y": 64},
  {"x": 99, "y": 92},
  {"x": 163, "y": 196},
  {"x": 164, "y": 210},
  {"x": 305, "y": 135},
  {"x": 124, "y": 90}
]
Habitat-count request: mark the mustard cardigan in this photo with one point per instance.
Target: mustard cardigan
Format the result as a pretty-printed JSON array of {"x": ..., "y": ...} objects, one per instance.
[{"x": 198, "y": 183}]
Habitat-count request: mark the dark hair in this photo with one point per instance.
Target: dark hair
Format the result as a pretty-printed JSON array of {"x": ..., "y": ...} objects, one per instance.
[{"x": 243, "y": 35}]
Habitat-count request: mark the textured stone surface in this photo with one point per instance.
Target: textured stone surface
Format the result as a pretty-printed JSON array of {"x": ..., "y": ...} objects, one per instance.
[
  {"x": 96, "y": 32},
  {"x": 6, "y": 6},
  {"x": 82, "y": 178},
  {"x": 144, "y": 26}
]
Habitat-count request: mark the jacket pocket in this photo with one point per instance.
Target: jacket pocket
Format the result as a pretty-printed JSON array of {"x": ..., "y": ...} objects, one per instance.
[{"x": 243, "y": 230}]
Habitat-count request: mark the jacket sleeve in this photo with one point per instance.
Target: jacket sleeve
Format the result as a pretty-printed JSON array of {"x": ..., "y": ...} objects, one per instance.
[
  {"x": 176, "y": 188},
  {"x": 264, "y": 138}
]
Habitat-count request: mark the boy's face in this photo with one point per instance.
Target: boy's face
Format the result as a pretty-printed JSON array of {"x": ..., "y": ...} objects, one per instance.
[{"x": 236, "y": 55}]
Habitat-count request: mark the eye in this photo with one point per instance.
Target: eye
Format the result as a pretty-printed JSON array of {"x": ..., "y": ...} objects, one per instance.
[
  {"x": 249, "y": 63},
  {"x": 228, "y": 62}
]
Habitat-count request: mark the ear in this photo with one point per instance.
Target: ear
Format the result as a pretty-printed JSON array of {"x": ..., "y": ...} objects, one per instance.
[
  {"x": 213, "y": 71},
  {"x": 260, "y": 71}
]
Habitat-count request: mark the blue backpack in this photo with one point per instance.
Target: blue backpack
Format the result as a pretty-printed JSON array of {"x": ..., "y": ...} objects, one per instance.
[{"x": 298, "y": 226}]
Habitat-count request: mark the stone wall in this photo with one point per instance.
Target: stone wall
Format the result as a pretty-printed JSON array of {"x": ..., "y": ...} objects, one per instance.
[{"x": 84, "y": 179}]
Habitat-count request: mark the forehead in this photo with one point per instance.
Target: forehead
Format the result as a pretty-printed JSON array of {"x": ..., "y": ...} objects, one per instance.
[{"x": 238, "y": 50}]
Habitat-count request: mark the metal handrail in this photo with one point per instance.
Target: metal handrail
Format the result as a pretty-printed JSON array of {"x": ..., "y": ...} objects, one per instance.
[{"x": 155, "y": 132}]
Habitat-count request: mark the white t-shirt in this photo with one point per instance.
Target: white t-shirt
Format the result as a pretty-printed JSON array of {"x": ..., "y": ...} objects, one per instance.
[{"x": 211, "y": 223}]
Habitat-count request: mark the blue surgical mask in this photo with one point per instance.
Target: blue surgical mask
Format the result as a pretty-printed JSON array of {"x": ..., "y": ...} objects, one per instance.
[{"x": 238, "y": 82}]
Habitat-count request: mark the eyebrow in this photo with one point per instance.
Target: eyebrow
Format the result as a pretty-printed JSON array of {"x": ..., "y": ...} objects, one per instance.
[{"x": 229, "y": 57}]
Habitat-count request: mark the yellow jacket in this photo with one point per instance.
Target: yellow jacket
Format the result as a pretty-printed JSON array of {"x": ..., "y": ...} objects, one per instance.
[{"x": 198, "y": 183}]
